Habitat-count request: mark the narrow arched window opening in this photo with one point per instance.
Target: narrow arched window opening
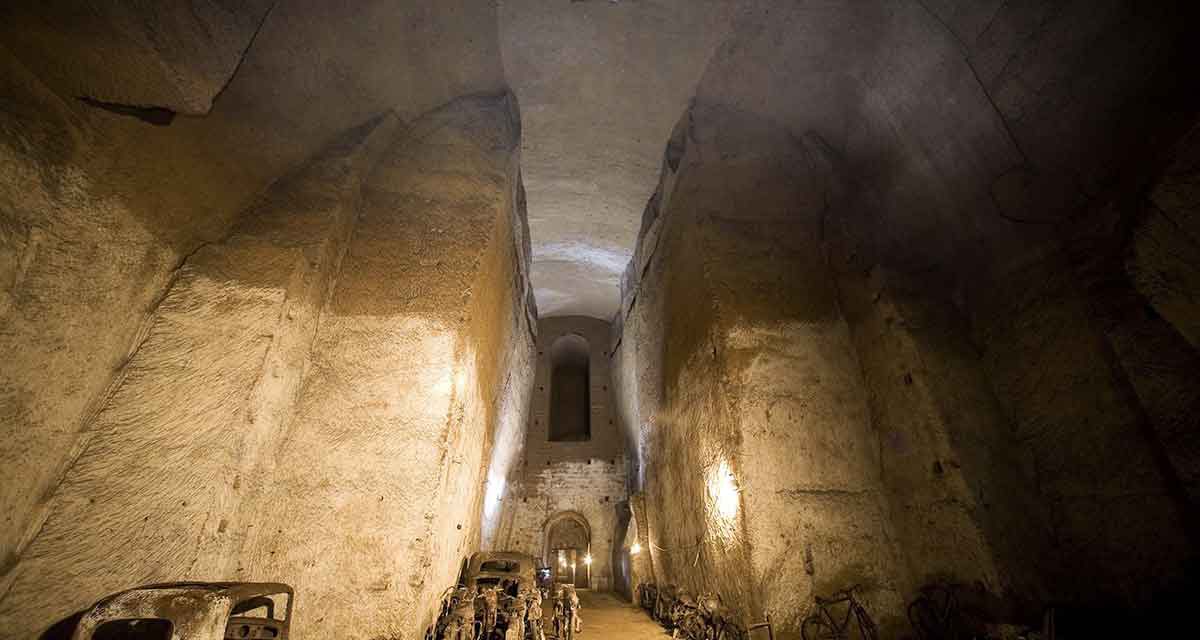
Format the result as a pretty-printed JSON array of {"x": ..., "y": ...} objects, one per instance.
[{"x": 570, "y": 390}]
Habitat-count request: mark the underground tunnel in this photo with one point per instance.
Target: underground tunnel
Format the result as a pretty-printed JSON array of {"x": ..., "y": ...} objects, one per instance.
[{"x": 520, "y": 319}]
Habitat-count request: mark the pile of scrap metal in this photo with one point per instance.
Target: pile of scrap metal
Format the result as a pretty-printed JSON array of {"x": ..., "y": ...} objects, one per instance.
[
  {"x": 497, "y": 598},
  {"x": 193, "y": 610},
  {"x": 689, "y": 618},
  {"x": 567, "y": 621},
  {"x": 647, "y": 596}
]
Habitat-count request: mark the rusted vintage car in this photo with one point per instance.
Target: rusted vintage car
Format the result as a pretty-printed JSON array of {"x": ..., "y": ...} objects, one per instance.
[
  {"x": 507, "y": 601},
  {"x": 191, "y": 611},
  {"x": 500, "y": 568}
]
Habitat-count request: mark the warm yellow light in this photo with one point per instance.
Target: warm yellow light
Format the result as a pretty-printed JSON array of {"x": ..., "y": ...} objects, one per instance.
[
  {"x": 635, "y": 549},
  {"x": 587, "y": 559},
  {"x": 724, "y": 491}
]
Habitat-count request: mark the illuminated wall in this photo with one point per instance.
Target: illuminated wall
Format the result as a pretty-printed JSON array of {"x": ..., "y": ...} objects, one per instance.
[
  {"x": 319, "y": 397},
  {"x": 758, "y": 458},
  {"x": 880, "y": 427}
]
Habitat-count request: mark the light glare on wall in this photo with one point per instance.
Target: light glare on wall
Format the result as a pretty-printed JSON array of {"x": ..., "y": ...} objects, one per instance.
[
  {"x": 587, "y": 559},
  {"x": 635, "y": 549},
  {"x": 724, "y": 491}
]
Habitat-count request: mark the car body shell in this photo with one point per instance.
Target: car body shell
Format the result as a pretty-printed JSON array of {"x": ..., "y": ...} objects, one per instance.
[
  {"x": 196, "y": 610},
  {"x": 475, "y": 573}
]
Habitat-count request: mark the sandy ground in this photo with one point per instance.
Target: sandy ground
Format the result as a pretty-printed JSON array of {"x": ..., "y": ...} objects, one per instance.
[{"x": 606, "y": 616}]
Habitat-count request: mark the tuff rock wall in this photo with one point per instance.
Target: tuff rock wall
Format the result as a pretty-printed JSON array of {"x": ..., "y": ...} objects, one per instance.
[
  {"x": 875, "y": 429},
  {"x": 915, "y": 299},
  {"x": 317, "y": 397},
  {"x": 101, "y": 203},
  {"x": 932, "y": 334},
  {"x": 758, "y": 461},
  {"x": 425, "y": 334}
]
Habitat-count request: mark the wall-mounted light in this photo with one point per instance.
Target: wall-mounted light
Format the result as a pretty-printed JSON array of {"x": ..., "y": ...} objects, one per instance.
[
  {"x": 635, "y": 549},
  {"x": 587, "y": 559}
]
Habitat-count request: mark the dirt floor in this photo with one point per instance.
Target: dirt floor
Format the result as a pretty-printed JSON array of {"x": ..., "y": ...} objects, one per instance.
[{"x": 606, "y": 616}]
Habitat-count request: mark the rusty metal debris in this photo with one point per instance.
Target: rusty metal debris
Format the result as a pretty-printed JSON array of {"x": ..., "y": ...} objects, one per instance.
[
  {"x": 690, "y": 618},
  {"x": 567, "y": 621},
  {"x": 648, "y": 596},
  {"x": 194, "y": 610},
  {"x": 497, "y": 598}
]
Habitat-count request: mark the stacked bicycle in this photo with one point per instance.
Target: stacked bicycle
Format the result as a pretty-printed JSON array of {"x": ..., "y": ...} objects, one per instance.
[
  {"x": 703, "y": 618},
  {"x": 566, "y": 613}
]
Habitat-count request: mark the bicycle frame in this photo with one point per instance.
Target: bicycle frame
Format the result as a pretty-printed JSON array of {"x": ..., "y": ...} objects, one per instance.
[{"x": 825, "y": 615}]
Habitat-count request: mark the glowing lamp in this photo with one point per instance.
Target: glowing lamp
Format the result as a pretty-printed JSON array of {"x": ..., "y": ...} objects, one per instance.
[
  {"x": 587, "y": 559},
  {"x": 635, "y": 549}
]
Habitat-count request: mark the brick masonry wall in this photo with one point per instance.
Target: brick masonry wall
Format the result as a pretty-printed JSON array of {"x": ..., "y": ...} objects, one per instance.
[
  {"x": 587, "y": 478},
  {"x": 605, "y": 443},
  {"x": 591, "y": 489}
]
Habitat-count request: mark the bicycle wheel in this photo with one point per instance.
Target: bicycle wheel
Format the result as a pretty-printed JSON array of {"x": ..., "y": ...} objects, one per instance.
[{"x": 818, "y": 627}]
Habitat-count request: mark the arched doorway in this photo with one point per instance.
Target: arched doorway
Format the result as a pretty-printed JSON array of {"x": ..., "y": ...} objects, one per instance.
[
  {"x": 567, "y": 548},
  {"x": 570, "y": 390}
]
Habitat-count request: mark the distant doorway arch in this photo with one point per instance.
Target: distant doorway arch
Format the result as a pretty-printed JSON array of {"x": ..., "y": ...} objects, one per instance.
[
  {"x": 570, "y": 389},
  {"x": 567, "y": 547}
]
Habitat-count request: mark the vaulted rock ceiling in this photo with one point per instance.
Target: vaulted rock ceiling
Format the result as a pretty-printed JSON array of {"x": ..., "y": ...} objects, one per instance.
[{"x": 601, "y": 85}]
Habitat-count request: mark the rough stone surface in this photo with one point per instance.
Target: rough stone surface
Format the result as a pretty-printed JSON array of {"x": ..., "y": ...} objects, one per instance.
[
  {"x": 946, "y": 451},
  {"x": 80, "y": 271},
  {"x": 1010, "y": 107},
  {"x": 225, "y": 346},
  {"x": 762, "y": 400},
  {"x": 1050, "y": 368},
  {"x": 408, "y": 364},
  {"x": 172, "y": 55},
  {"x": 274, "y": 366},
  {"x": 1163, "y": 263},
  {"x": 600, "y": 84},
  {"x": 880, "y": 426},
  {"x": 97, "y": 210},
  {"x": 914, "y": 299}
]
